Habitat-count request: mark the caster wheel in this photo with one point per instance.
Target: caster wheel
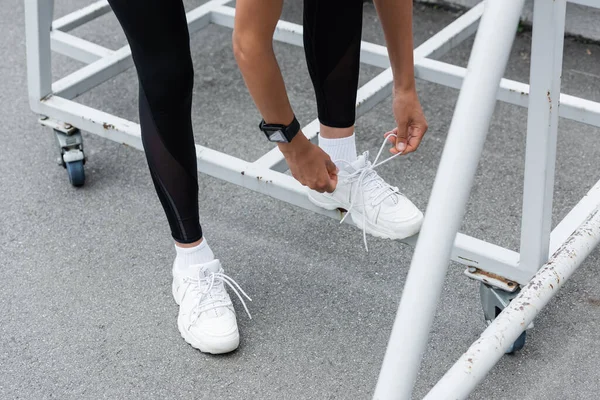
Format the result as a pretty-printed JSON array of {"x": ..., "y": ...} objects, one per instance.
[
  {"x": 76, "y": 173},
  {"x": 518, "y": 344}
]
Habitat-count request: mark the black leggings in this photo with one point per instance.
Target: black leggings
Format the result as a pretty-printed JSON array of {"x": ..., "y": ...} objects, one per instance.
[{"x": 159, "y": 39}]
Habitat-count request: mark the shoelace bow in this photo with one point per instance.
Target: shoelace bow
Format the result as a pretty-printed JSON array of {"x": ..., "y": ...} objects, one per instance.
[
  {"x": 214, "y": 280},
  {"x": 368, "y": 171}
]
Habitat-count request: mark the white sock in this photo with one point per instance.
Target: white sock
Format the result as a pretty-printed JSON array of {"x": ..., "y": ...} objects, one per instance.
[
  {"x": 339, "y": 149},
  {"x": 187, "y": 256}
]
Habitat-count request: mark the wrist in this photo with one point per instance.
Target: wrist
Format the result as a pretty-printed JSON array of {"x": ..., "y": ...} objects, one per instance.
[
  {"x": 298, "y": 144},
  {"x": 404, "y": 88}
]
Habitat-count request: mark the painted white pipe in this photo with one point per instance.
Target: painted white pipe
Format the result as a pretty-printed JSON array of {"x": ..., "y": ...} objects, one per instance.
[
  {"x": 474, "y": 365},
  {"x": 448, "y": 199}
]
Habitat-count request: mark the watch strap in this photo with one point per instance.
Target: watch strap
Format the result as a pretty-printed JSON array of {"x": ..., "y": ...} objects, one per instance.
[{"x": 280, "y": 133}]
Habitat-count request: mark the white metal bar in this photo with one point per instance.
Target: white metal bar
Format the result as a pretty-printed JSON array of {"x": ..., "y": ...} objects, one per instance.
[
  {"x": 211, "y": 162},
  {"x": 512, "y": 92},
  {"x": 453, "y": 34},
  {"x": 448, "y": 199},
  {"x": 94, "y": 74},
  {"x": 542, "y": 128},
  {"x": 91, "y": 120},
  {"x": 77, "y": 48},
  {"x": 575, "y": 218},
  {"x": 108, "y": 67},
  {"x": 38, "y": 18},
  {"x": 468, "y": 250},
  {"x": 371, "y": 53},
  {"x": 200, "y": 17},
  {"x": 587, "y": 3},
  {"x": 489, "y": 257},
  {"x": 285, "y": 32},
  {"x": 81, "y": 16},
  {"x": 476, "y": 362}
]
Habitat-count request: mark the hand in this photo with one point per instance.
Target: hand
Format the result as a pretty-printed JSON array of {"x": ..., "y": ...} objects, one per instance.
[
  {"x": 411, "y": 122},
  {"x": 310, "y": 165}
]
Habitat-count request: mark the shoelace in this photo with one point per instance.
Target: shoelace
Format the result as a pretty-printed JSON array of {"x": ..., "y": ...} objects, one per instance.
[
  {"x": 214, "y": 280},
  {"x": 384, "y": 190}
]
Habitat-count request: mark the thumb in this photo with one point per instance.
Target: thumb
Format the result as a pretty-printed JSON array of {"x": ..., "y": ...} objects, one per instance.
[
  {"x": 402, "y": 136},
  {"x": 332, "y": 169}
]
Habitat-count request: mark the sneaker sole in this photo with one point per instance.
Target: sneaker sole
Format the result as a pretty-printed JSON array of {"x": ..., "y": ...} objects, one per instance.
[
  {"x": 227, "y": 343},
  {"x": 410, "y": 228}
]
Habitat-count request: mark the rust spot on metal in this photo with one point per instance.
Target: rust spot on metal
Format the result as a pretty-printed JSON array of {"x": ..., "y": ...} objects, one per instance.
[
  {"x": 108, "y": 126},
  {"x": 490, "y": 275}
]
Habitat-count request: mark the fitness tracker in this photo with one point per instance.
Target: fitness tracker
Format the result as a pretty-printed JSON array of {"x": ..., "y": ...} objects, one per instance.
[{"x": 280, "y": 133}]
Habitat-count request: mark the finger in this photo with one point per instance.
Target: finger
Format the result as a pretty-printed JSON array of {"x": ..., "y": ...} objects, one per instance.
[
  {"x": 332, "y": 169},
  {"x": 331, "y": 185},
  {"x": 414, "y": 140},
  {"x": 391, "y": 136},
  {"x": 402, "y": 136}
]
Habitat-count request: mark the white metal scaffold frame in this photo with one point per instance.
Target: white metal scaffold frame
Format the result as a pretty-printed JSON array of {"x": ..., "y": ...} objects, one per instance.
[{"x": 518, "y": 284}]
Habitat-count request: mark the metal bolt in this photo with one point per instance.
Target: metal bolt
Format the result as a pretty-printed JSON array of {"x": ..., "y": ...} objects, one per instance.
[
  {"x": 67, "y": 126},
  {"x": 472, "y": 270}
]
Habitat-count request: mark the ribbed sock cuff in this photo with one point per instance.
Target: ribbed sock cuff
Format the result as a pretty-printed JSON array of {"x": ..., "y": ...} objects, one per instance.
[
  {"x": 199, "y": 254},
  {"x": 339, "y": 149}
]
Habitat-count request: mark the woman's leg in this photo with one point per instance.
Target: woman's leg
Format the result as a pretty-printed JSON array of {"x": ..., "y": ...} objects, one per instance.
[
  {"x": 332, "y": 35},
  {"x": 159, "y": 40},
  {"x": 158, "y": 36}
]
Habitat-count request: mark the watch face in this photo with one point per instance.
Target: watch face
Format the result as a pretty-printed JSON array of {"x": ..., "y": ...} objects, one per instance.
[{"x": 277, "y": 136}]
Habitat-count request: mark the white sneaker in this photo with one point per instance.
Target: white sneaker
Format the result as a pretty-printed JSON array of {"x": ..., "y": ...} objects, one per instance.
[
  {"x": 374, "y": 205},
  {"x": 206, "y": 318}
]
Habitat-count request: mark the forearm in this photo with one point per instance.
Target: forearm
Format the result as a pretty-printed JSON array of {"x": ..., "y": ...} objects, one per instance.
[
  {"x": 253, "y": 49},
  {"x": 396, "y": 19}
]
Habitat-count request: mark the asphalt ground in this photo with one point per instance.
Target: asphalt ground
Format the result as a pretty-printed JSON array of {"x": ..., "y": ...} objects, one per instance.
[{"x": 85, "y": 295}]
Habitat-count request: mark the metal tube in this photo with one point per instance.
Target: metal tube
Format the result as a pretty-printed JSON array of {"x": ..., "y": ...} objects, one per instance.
[
  {"x": 448, "y": 199},
  {"x": 542, "y": 127},
  {"x": 373, "y": 54},
  {"x": 513, "y": 92},
  {"x": 467, "y": 250},
  {"x": 81, "y": 16},
  {"x": 587, "y": 3},
  {"x": 38, "y": 20},
  {"x": 575, "y": 217},
  {"x": 77, "y": 48},
  {"x": 120, "y": 60},
  {"x": 474, "y": 365}
]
